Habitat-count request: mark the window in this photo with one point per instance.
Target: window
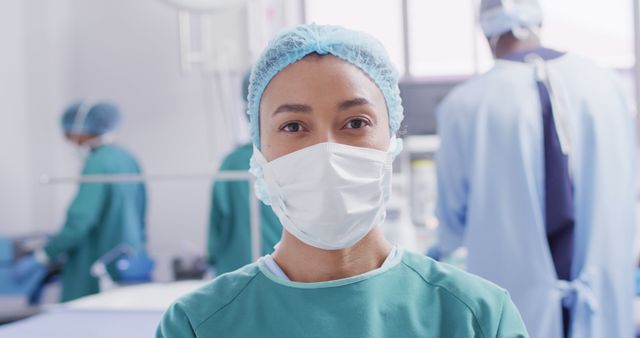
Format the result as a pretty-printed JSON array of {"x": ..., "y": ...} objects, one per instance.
[
  {"x": 445, "y": 40},
  {"x": 380, "y": 18},
  {"x": 599, "y": 30}
]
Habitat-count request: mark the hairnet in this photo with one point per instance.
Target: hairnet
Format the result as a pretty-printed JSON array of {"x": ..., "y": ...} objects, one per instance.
[
  {"x": 245, "y": 85},
  {"x": 359, "y": 49},
  {"x": 91, "y": 119},
  {"x": 501, "y": 16}
]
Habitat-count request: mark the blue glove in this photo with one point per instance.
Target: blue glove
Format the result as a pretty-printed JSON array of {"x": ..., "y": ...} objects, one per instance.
[
  {"x": 27, "y": 267},
  {"x": 435, "y": 253},
  {"x": 135, "y": 269}
]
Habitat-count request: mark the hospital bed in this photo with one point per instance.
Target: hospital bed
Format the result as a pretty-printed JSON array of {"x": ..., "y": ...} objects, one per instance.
[{"x": 125, "y": 312}]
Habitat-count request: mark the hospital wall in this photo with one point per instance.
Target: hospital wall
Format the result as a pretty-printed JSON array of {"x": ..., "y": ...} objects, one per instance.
[
  {"x": 31, "y": 83},
  {"x": 15, "y": 203},
  {"x": 125, "y": 51}
]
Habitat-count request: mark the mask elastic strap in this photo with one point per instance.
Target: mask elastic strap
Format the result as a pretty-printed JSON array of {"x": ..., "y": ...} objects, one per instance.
[{"x": 395, "y": 147}]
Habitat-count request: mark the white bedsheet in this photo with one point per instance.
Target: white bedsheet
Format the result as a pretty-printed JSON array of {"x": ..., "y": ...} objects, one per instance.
[{"x": 143, "y": 297}]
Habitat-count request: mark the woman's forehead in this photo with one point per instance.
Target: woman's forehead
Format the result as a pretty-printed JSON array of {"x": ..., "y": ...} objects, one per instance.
[
  {"x": 323, "y": 66},
  {"x": 320, "y": 78}
]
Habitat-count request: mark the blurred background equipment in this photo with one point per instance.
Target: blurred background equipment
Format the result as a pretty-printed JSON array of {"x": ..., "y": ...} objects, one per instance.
[{"x": 23, "y": 299}]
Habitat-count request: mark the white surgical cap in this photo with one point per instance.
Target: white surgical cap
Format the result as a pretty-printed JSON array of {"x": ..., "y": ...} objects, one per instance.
[{"x": 501, "y": 16}]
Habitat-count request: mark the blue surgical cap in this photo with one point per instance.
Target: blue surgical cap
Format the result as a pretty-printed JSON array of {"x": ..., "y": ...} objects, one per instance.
[
  {"x": 90, "y": 118},
  {"x": 245, "y": 85},
  {"x": 501, "y": 16},
  {"x": 359, "y": 49}
]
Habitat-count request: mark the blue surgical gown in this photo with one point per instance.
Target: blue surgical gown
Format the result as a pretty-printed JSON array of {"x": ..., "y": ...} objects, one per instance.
[
  {"x": 101, "y": 216},
  {"x": 491, "y": 192},
  {"x": 412, "y": 296},
  {"x": 229, "y": 245}
]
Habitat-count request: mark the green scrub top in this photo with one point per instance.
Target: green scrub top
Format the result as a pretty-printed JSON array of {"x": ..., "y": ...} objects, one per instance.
[
  {"x": 101, "y": 216},
  {"x": 229, "y": 245},
  {"x": 413, "y": 296}
]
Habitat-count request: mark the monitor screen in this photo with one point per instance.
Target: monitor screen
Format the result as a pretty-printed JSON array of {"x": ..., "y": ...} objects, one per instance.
[{"x": 420, "y": 98}]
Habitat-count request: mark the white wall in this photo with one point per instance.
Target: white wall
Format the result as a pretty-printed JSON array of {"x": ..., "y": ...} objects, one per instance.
[
  {"x": 46, "y": 42},
  {"x": 15, "y": 197},
  {"x": 33, "y": 36}
]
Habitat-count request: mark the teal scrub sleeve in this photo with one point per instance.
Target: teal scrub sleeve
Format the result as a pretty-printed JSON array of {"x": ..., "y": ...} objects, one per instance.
[
  {"x": 83, "y": 214},
  {"x": 511, "y": 324},
  {"x": 220, "y": 221},
  {"x": 220, "y": 217},
  {"x": 175, "y": 324}
]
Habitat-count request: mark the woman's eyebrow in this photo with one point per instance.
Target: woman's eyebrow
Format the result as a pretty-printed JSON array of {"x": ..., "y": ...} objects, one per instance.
[
  {"x": 358, "y": 101},
  {"x": 292, "y": 108}
]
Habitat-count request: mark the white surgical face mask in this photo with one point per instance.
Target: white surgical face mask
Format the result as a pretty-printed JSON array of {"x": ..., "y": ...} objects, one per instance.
[{"x": 329, "y": 195}]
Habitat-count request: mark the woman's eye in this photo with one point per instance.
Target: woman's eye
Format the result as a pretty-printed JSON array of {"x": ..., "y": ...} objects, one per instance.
[
  {"x": 292, "y": 127},
  {"x": 356, "y": 124}
]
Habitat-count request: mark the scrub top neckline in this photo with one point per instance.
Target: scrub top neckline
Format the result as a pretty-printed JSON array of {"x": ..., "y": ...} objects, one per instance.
[
  {"x": 275, "y": 269},
  {"x": 264, "y": 269}
]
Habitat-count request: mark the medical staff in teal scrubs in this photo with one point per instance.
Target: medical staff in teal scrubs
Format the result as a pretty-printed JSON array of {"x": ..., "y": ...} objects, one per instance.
[
  {"x": 229, "y": 243},
  {"x": 324, "y": 107},
  {"x": 102, "y": 215}
]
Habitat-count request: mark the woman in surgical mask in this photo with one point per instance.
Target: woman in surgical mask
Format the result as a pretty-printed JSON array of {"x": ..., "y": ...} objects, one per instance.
[{"x": 324, "y": 107}]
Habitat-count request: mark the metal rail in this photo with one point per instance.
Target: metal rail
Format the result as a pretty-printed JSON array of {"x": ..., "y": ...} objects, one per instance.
[{"x": 254, "y": 206}]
